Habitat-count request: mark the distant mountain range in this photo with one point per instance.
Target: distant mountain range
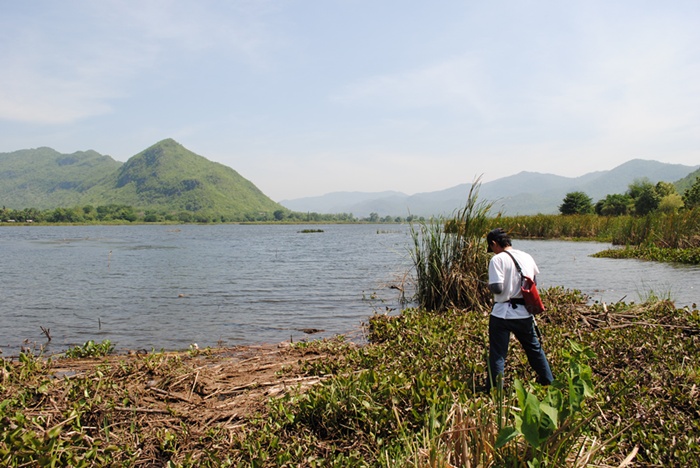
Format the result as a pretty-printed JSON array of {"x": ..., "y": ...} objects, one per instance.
[
  {"x": 168, "y": 177},
  {"x": 525, "y": 193},
  {"x": 165, "y": 177}
]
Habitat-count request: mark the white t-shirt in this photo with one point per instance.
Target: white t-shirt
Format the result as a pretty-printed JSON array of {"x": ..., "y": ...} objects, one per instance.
[{"x": 502, "y": 269}]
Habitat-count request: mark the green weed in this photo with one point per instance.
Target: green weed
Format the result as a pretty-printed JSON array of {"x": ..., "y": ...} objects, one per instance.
[{"x": 90, "y": 349}]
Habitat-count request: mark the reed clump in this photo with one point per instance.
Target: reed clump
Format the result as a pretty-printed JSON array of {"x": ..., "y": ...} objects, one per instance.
[
  {"x": 669, "y": 230},
  {"x": 659, "y": 236},
  {"x": 449, "y": 257}
]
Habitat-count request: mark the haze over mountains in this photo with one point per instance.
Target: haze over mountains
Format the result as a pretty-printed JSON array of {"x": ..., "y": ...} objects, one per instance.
[
  {"x": 169, "y": 177},
  {"x": 525, "y": 193}
]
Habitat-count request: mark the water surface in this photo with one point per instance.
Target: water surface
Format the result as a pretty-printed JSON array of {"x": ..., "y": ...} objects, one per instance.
[{"x": 165, "y": 287}]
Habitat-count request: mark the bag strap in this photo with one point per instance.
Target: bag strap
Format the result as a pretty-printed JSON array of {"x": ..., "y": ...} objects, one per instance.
[{"x": 517, "y": 265}]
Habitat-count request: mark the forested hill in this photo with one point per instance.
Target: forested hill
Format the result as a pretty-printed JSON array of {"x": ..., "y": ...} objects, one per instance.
[
  {"x": 686, "y": 182},
  {"x": 169, "y": 176},
  {"x": 44, "y": 178},
  {"x": 164, "y": 177}
]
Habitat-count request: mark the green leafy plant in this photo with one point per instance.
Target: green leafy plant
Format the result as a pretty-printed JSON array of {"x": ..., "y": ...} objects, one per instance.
[
  {"x": 90, "y": 349},
  {"x": 553, "y": 426}
]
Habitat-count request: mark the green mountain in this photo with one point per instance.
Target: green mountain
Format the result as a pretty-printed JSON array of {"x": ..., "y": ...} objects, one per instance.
[
  {"x": 165, "y": 177},
  {"x": 43, "y": 178},
  {"x": 686, "y": 182}
]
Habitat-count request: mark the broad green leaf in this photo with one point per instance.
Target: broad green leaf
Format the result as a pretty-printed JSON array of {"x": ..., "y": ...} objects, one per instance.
[
  {"x": 552, "y": 413},
  {"x": 555, "y": 399},
  {"x": 505, "y": 435},
  {"x": 530, "y": 420},
  {"x": 520, "y": 392}
]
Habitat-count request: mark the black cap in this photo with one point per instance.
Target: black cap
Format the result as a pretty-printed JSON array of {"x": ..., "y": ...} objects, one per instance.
[{"x": 497, "y": 235}]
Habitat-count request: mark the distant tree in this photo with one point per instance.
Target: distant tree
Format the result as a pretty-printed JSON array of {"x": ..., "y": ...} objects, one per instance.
[
  {"x": 636, "y": 188},
  {"x": 66, "y": 215},
  {"x": 665, "y": 189},
  {"x": 22, "y": 216},
  {"x": 670, "y": 203},
  {"x": 373, "y": 217},
  {"x": 89, "y": 212},
  {"x": 576, "y": 203},
  {"x": 645, "y": 195},
  {"x": 279, "y": 215},
  {"x": 615, "y": 205},
  {"x": 116, "y": 212},
  {"x": 151, "y": 216},
  {"x": 646, "y": 201},
  {"x": 184, "y": 217},
  {"x": 202, "y": 218},
  {"x": 125, "y": 212},
  {"x": 691, "y": 197}
]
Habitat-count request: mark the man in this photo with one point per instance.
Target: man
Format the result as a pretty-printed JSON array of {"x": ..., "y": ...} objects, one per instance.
[{"x": 509, "y": 314}]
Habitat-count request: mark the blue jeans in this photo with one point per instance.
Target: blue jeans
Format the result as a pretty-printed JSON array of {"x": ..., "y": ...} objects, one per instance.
[{"x": 499, "y": 338}]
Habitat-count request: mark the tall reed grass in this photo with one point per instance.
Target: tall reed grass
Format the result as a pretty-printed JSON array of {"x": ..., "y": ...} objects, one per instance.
[
  {"x": 558, "y": 226},
  {"x": 665, "y": 230},
  {"x": 449, "y": 256},
  {"x": 673, "y": 230}
]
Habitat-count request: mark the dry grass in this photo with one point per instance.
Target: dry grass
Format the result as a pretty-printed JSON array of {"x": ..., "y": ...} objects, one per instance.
[{"x": 157, "y": 404}]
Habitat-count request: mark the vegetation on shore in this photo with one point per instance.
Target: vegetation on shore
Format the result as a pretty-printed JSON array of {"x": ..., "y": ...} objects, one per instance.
[
  {"x": 127, "y": 214},
  {"x": 627, "y": 385},
  {"x": 669, "y": 237},
  {"x": 657, "y": 254}
]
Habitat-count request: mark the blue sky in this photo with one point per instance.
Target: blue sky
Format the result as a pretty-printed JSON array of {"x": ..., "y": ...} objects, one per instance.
[{"x": 309, "y": 97}]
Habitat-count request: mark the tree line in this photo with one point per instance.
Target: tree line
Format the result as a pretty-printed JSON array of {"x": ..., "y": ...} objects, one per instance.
[
  {"x": 641, "y": 198},
  {"x": 128, "y": 214}
]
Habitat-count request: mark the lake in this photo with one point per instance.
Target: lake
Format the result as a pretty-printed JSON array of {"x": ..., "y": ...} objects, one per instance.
[{"x": 165, "y": 287}]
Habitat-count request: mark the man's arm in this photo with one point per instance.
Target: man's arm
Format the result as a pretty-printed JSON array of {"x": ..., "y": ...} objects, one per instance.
[{"x": 496, "y": 288}]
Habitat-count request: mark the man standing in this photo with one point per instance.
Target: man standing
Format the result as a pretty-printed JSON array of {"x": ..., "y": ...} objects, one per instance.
[{"x": 509, "y": 314}]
